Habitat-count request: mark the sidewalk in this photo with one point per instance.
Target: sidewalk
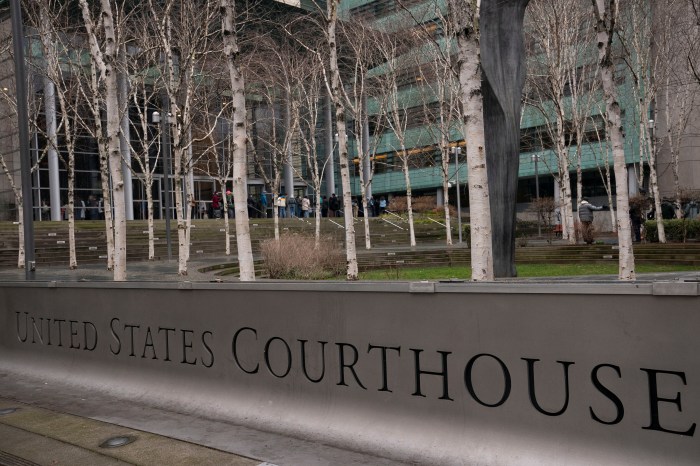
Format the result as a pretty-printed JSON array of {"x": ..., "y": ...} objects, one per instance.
[{"x": 60, "y": 425}]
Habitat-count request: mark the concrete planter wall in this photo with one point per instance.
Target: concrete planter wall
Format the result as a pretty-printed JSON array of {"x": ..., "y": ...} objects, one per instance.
[{"x": 527, "y": 373}]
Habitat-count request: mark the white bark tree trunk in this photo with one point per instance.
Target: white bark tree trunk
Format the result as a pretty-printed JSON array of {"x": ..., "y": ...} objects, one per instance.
[
  {"x": 606, "y": 15},
  {"x": 151, "y": 235},
  {"x": 105, "y": 61},
  {"x": 350, "y": 251},
  {"x": 21, "y": 255},
  {"x": 409, "y": 196},
  {"x": 240, "y": 137},
  {"x": 656, "y": 195},
  {"x": 472, "y": 117},
  {"x": 20, "y": 218}
]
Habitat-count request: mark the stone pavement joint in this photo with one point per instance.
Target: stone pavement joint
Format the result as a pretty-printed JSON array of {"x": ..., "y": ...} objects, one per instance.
[{"x": 33, "y": 435}]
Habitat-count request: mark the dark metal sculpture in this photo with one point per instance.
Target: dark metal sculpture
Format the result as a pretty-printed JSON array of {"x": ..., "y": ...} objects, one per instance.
[{"x": 502, "y": 58}]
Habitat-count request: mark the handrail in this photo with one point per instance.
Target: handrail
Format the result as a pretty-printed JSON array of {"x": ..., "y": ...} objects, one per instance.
[
  {"x": 339, "y": 225},
  {"x": 390, "y": 223},
  {"x": 439, "y": 223},
  {"x": 395, "y": 215}
]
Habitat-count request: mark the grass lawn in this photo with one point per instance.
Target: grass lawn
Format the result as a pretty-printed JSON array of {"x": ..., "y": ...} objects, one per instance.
[{"x": 524, "y": 270}]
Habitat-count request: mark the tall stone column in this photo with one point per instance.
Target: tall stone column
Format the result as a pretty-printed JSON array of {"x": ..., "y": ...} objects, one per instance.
[
  {"x": 330, "y": 148},
  {"x": 124, "y": 139},
  {"x": 288, "y": 171},
  {"x": 503, "y": 63},
  {"x": 52, "y": 154},
  {"x": 632, "y": 181},
  {"x": 367, "y": 163}
]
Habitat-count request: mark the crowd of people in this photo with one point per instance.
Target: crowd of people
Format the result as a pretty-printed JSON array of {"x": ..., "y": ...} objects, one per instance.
[{"x": 260, "y": 206}]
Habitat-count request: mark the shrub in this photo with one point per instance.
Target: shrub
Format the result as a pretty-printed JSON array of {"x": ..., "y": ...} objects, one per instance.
[
  {"x": 422, "y": 204},
  {"x": 294, "y": 257},
  {"x": 676, "y": 229},
  {"x": 398, "y": 204}
]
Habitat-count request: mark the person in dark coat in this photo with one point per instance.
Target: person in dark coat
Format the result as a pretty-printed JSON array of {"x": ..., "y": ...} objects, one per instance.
[{"x": 585, "y": 215}]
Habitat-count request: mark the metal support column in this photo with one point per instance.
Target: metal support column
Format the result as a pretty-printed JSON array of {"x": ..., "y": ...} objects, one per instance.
[
  {"x": 52, "y": 153},
  {"x": 23, "y": 129}
]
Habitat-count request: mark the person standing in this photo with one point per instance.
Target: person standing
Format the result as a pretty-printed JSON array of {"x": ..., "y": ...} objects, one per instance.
[
  {"x": 81, "y": 209},
  {"x": 93, "y": 205},
  {"x": 305, "y": 206},
  {"x": 251, "y": 206},
  {"x": 382, "y": 205},
  {"x": 333, "y": 206},
  {"x": 216, "y": 205},
  {"x": 263, "y": 205},
  {"x": 282, "y": 206},
  {"x": 292, "y": 204},
  {"x": 585, "y": 215},
  {"x": 324, "y": 207},
  {"x": 45, "y": 210},
  {"x": 229, "y": 204},
  {"x": 637, "y": 219}
]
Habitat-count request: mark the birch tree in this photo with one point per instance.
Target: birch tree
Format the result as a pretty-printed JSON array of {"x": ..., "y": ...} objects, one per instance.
[
  {"x": 606, "y": 14},
  {"x": 274, "y": 70},
  {"x": 558, "y": 77},
  {"x": 144, "y": 88},
  {"x": 647, "y": 41},
  {"x": 691, "y": 37},
  {"x": 680, "y": 87},
  {"x": 680, "y": 100},
  {"x": 601, "y": 151},
  {"x": 104, "y": 55},
  {"x": 217, "y": 159},
  {"x": 465, "y": 15},
  {"x": 442, "y": 114},
  {"x": 339, "y": 104},
  {"x": 61, "y": 86},
  {"x": 240, "y": 140},
  {"x": 185, "y": 30},
  {"x": 439, "y": 75},
  {"x": 8, "y": 112},
  {"x": 362, "y": 54},
  {"x": 306, "y": 111}
]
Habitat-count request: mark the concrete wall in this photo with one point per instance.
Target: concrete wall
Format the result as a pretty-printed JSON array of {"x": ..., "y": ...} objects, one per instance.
[{"x": 522, "y": 373}]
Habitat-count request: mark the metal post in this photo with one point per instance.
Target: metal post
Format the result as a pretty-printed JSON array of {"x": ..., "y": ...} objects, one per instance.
[
  {"x": 165, "y": 137},
  {"x": 458, "y": 151},
  {"x": 537, "y": 195},
  {"x": 166, "y": 177},
  {"x": 23, "y": 128}
]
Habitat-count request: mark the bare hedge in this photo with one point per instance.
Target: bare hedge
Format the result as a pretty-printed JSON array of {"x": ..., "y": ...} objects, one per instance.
[
  {"x": 293, "y": 257},
  {"x": 422, "y": 204}
]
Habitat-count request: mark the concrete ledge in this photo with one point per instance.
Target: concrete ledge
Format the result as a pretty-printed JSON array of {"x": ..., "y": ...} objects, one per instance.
[{"x": 676, "y": 289}]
